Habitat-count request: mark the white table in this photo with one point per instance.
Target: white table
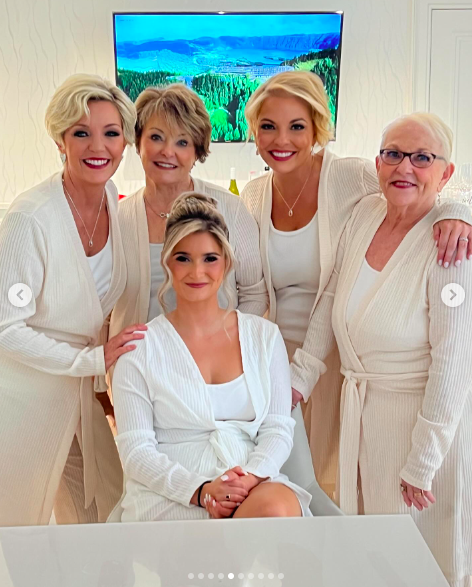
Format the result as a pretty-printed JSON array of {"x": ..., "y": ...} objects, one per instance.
[{"x": 358, "y": 551}]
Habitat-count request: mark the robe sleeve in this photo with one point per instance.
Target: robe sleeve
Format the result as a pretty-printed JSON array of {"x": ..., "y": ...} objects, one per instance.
[
  {"x": 308, "y": 361},
  {"x": 274, "y": 439},
  {"x": 450, "y": 376},
  {"x": 252, "y": 291},
  {"x": 136, "y": 440},
  {"x": 24, "y": 260}
]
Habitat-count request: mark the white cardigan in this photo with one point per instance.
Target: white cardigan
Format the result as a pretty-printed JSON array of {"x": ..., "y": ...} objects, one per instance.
[
  {"x": 168, "y": 439},
  {"x": 50, "y": 350},
  {"x": 247, "y": 282}
]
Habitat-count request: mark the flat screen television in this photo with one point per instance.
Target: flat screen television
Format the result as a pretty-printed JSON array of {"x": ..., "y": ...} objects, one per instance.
[{"x": 224, "y": 57}]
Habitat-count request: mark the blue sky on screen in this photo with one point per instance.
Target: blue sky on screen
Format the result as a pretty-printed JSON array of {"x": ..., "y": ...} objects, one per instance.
[{"x": 144, "y": 27}]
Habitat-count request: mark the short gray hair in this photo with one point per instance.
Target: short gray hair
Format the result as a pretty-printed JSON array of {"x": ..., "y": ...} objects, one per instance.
[
  {"x": 70, "y": 102},
  {"x": 437, "y": 128}
]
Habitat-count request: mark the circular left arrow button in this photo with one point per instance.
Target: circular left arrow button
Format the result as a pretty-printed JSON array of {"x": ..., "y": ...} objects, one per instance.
[{"x": 20, "y": 295}]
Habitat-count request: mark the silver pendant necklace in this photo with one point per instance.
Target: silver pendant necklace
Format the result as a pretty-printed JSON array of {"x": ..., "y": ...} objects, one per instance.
[
  {"x": 90, "y": 237},
  {"x": 290, "y": 208}
]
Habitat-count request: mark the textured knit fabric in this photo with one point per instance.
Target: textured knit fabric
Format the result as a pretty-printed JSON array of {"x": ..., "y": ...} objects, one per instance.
[
  {"x": 249, "y": 290},
  {"x": 49, "y": 352},
  {"x": 343, "y": 183},
  {"x": 406, "y": 406},
  {"x": 365, "y": 281},
  {"x": 168, "y": 438}
]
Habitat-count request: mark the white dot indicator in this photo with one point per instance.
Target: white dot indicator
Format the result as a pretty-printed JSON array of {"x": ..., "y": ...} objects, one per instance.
[
  {"x": 453, "y": 295},
  {"x": 250, "y": 576},
  {"x": 191, "y": 575},
  {"x": 280, "y": 575},
  {"x": 271, "y": 576},
  {"x": 221, "y": 576},
  {"x": 230, "y": 576},
  {"x": 241, "y": 576},
  {"x": 261, "y": 575},
  {"x": 20, "y": 295},
  {"x": 211, "y": 576},
  {"x": 201, "y": 576}
]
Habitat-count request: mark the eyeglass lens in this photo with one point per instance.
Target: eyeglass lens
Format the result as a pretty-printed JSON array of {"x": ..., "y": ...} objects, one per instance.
[{"x": 393, "y": 157}]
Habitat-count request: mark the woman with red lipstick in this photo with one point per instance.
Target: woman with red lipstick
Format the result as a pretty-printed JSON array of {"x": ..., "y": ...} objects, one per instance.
[
  {"x": 173, "y": 131},
  {"x": 61, "y": 243},
  {"x": 403, "y": 327},
  {"x": 203, "y": 405},
  {"x": 302, "y": 207}
]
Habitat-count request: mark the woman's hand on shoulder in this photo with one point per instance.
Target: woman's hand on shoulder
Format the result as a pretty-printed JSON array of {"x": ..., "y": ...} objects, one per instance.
[
  {"x": 117, "y": 345},
  {"x": 453, "y": 236},
  {"x": 415, "y": 496}
]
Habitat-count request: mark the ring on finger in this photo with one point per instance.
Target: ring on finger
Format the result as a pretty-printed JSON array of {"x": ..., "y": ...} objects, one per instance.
[
  {"x": 463, "y": 238},
  {"x": 417, "y": 494},
  {"x": 228, "y": 497},
  {"x": 403, "y": 487}
]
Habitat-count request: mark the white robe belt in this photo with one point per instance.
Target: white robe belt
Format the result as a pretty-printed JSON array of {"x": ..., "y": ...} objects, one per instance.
[{"x": 352, "y": 404}]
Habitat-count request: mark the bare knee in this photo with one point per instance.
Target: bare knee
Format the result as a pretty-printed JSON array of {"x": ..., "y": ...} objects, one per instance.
[{"x": 271, "y": 508}]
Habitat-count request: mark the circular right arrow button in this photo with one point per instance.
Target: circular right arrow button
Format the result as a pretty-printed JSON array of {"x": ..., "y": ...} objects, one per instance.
[{"x": 453, "y": 295}]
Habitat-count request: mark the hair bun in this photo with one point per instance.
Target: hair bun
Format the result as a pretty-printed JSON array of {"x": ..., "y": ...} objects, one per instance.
[{"x": 196, "y": 206}]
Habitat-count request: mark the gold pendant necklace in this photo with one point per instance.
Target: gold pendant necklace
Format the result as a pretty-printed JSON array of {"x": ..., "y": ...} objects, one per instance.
[{"x": 290, "y": 208}]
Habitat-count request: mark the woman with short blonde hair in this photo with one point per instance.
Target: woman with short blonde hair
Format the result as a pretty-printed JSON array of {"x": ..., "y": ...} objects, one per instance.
[
  {"x": 173, "y": 132},
  {"x": 61, "y": 241},
  {"x": 302, "y": 207}
]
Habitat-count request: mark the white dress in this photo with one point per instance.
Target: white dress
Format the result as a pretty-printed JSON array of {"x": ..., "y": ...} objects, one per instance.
[{"x": 168, "y": 437}]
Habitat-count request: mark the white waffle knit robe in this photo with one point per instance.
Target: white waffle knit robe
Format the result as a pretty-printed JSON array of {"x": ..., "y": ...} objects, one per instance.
[{"x": 406, "y": 404}]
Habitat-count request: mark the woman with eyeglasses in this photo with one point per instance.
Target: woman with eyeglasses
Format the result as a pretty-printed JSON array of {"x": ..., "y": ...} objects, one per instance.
[
  {"x": 302, "y": 207},
  {"x": 403, "y": 327}
]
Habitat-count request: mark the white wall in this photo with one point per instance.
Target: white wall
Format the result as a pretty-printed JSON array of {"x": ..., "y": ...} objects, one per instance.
[{"x": 44, "y": 41}]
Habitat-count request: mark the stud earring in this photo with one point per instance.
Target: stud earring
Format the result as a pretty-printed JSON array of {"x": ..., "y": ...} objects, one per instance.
[{"x": 63, "y": 158}]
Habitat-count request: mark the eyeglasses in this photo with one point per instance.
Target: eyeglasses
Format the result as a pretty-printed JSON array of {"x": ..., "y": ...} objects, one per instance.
[{"x": 420, "y": 159}]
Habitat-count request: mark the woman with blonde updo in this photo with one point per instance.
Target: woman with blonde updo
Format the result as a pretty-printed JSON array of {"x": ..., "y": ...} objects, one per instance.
[
  {"x": 61, "y": 242},
  {"x": 203, "y": 404},
  {"x": 302, "y": 207}
]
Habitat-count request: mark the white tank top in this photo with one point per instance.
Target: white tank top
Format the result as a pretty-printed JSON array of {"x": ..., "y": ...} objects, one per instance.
[
  {"x": 232, "y": 400},
  {"x": 101, "y": 266},
  {"x": 366, "y": 279},
  {"x": 157, "y": 279},
  {"x": 295, "y": 267}
]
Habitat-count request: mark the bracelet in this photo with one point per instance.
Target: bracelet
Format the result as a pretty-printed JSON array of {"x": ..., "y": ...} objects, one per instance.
[{"x": 200, "y": 492}]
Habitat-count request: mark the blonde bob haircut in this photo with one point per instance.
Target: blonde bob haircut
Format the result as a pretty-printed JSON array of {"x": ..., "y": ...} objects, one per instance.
[
  {"x": 191, "y": 213},
  {"x": 434, "y": 125},
  {"x": 297, "y": 84},
  {"x": 182, "y": 109},
  {"x": 70, "y": 102}
]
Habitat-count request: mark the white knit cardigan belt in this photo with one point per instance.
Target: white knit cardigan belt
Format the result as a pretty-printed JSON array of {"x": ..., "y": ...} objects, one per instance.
[{"x": 352, "y": 404}]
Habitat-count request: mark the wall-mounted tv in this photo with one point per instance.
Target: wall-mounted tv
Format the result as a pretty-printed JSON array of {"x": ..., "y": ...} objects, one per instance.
[{"x": 224, "y": 57}]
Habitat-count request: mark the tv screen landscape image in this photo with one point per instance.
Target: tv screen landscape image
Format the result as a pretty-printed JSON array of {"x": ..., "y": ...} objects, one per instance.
[{"x": 225, "y": 57}]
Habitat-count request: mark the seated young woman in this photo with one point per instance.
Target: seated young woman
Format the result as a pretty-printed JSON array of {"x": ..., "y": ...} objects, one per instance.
[{"x": 203, "y": 404}]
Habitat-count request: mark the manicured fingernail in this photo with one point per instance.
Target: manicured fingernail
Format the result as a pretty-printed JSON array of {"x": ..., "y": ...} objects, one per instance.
[
  {"x": 457, "y": 263},
  {"x": 469, "y": 257},
  {"x": 446, "y": 265},
  {"x": 214, "y": 502},
  {"x": 440, "y": 262},
  {"x": 245, "y": 472},
  {"x": 224, "y": 477},
  {"x": 238, "y": 504}
]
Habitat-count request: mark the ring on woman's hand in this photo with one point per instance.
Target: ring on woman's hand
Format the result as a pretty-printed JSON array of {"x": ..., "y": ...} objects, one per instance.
[
  {"x": 463, "y": 238},
  {"x": 228, "y": 497},
  {"x": 403, "y": 487},
  {"x": 418, "y": 493}
]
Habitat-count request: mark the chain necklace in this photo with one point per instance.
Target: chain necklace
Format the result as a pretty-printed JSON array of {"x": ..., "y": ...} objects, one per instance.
[
  {"x": 290, "y": 208},
  {"x": 90, "y": 237},
  {"x": 160, "y": 214}
]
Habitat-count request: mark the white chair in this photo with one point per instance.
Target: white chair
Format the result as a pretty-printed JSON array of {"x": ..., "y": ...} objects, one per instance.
[{"x": 299, "y": 469}]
